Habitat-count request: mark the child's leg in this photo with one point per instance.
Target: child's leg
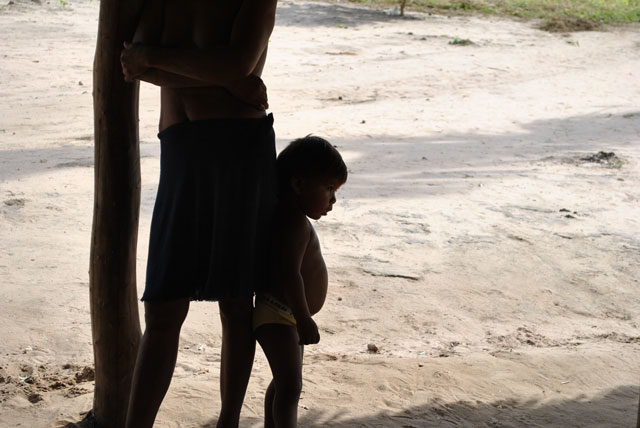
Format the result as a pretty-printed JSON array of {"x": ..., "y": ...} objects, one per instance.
[
  {"x": 280, "y": 345},
  {"x": 268, "y": 405}
]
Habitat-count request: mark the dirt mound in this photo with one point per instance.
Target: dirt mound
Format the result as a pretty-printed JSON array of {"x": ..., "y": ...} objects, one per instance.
[
  {"x": 568, "y": 25},
  {"x": 607, "y": 159}
]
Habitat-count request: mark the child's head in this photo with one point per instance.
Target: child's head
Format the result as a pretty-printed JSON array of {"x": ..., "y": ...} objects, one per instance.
[{"x": 312, "y": 169}]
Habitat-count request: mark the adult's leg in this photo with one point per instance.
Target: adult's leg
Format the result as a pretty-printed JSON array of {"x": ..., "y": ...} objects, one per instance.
[
  {"x": 238, "y": 350},
  {"x": 280, "y": 345},
  {"x": 156, "y": 360}
]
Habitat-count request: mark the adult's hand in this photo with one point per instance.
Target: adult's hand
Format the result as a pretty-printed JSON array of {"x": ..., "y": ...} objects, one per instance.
[
  {"x": 250, "y": 90},
  {"x": 132, "y": 61}
]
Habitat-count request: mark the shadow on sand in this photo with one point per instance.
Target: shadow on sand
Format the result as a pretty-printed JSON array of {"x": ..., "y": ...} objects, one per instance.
[
  {"x": 616, "y": 408},
  {"x": 310, "y": 15},
  {"x": 455, "y": 152},
  {"x": 419, "y": 166}
]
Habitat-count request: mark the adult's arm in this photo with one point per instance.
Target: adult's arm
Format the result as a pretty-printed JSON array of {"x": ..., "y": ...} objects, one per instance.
[
  {"x": 168, "y": 80},
  {"x": 148, "y": 33},
  {"x": 250, "y": 89},
  {"x": 218, "y": 65}
]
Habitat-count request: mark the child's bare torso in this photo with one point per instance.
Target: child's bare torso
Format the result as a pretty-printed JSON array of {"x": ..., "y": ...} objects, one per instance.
[
  {"x": 314, "y": 274},
  {"x": 201, "y": 24},
  {"x": 313, "y": 269}
]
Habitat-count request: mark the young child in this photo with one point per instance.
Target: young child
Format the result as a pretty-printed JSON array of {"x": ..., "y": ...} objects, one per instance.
[{"x": 310, "y": 171}]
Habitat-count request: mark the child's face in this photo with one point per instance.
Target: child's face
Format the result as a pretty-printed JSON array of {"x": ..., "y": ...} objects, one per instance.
[{"x": 316, "y": 196}]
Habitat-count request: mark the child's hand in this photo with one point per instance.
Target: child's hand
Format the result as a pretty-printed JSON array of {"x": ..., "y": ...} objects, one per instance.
[
  {"x": 131, "y": 60},
  {"x": 251, "y": 90},
  {"x": 307, "y": 331}
]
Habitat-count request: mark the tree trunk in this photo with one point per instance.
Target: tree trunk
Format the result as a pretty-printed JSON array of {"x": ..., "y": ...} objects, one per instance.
[{"x": 115, "y": 323}]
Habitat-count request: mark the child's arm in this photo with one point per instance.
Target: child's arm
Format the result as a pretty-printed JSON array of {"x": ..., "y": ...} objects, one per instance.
[{"x": 294, "y": 241}]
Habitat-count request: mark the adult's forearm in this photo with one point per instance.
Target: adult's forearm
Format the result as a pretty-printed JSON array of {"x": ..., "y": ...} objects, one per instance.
[
  {"x": 169, "y": 80},
  {"x": 199, "y": 64}
]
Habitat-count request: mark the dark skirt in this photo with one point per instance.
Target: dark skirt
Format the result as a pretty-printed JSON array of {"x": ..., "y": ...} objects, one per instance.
[{"x": 212, "y": 217}]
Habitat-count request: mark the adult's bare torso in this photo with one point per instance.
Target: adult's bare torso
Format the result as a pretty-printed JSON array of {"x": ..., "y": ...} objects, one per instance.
[{"x": 201, "y": 24}]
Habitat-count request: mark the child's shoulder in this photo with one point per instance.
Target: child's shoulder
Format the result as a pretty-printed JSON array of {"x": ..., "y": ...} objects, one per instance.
[{"x": 290, "y": 220}]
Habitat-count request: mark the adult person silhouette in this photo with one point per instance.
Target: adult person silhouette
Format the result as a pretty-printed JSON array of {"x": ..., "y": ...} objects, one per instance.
[{"x": 217, "y": 185}]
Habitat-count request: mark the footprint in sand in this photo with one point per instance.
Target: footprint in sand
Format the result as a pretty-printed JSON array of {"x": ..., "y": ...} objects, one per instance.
[
  {"x": 34, "y": 382},
  {"x": 16, "y": 202}
]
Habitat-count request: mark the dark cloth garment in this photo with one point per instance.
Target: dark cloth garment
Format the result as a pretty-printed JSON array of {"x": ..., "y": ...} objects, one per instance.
[{"x": 212, "y": 217}]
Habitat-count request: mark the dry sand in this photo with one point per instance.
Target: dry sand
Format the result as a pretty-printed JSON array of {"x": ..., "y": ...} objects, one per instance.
[{"x": 493, "y": 267}]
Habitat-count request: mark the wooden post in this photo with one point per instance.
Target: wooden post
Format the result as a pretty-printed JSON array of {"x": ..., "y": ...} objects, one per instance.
[{"x": 115, "y": 322}]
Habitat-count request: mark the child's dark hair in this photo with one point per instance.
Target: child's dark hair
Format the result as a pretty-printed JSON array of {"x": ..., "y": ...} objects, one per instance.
[{"x": 308, "y": 157}]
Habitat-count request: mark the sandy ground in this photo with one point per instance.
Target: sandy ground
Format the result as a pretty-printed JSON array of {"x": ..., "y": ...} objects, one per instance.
[{"x": 491, "y": 261}]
